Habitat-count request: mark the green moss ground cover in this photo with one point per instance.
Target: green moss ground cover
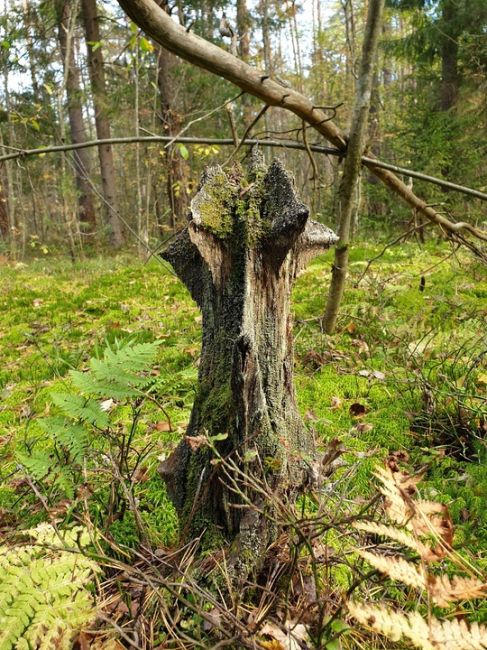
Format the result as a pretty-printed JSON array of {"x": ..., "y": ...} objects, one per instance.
[{"x": 405, "y": 370}]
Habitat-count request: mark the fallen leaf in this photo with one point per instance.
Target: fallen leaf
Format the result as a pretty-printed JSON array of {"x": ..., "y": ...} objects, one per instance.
[
  {"x": 162, "y": 426},
  {"x": 141, "y": 474},
  {"x": 364, "y": 427},
  {"x": 351, "y": 328},
  {"x": 212, "y": 619},
  {"x": 290, "y": 639},
  {"x": 107, "y": 404},
  {"x": 195, "y": 442},
  {"x": 336, "y": 403}
]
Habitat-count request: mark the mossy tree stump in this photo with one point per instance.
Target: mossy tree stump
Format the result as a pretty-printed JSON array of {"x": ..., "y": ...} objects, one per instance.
[{"x": 247, "y": 238}]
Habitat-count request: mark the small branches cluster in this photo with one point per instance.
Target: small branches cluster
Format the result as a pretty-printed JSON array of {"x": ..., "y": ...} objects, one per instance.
[{"x": 425, "y": 528}]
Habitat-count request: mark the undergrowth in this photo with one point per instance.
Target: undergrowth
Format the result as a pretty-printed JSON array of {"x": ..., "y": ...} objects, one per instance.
[{"x": 98, "y": 372}]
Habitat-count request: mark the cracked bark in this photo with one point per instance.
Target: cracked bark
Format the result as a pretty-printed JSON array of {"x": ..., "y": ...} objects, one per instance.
[{"x": 247, "y": 239}]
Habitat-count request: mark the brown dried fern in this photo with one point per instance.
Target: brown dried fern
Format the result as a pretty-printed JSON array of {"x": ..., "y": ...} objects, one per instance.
[
  {"x": 426, "y": 528},
  {"x": 428, "y": 635}
]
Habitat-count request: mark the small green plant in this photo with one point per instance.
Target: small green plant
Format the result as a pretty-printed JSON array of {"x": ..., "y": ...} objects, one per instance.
[
  {"x": 87, "y": 453},
  {"x": 44, "y": 589}
]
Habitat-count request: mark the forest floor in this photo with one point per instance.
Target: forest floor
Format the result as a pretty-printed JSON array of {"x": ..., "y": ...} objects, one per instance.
[{"x": 405, "y": 371}]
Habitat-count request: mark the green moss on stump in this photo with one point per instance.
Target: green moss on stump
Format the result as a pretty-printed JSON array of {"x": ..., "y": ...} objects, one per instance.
[{"x": 231, "y": 199}]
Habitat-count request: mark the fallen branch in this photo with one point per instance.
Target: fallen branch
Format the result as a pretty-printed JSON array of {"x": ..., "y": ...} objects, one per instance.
[
  {"x": 157, "y": 24},
  {"x": 282, "y": 144}
]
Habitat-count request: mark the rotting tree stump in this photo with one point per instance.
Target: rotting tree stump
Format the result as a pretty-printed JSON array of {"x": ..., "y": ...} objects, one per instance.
[{"x": 247, "y": 239}]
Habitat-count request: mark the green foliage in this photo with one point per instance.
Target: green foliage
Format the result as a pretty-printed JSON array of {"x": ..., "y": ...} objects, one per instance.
[
  {"x": 85, "y": 306},
  {"x": 44, "y": 589},
  {"x": 90, "y": 435},
  {"x": 119, "y": 375}
]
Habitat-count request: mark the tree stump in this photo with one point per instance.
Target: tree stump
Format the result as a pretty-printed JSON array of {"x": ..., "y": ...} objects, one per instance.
[{"x": 247, "y": 239}]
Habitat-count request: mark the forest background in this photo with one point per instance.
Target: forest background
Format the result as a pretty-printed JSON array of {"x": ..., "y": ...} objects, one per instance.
[{"x": 428, "y": 112}]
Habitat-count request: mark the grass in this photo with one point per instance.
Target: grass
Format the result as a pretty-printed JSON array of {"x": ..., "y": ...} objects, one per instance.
[{"x": 397, "y": 339}]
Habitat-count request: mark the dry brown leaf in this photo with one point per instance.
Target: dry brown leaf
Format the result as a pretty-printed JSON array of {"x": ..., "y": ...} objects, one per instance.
[
  {"x": 364, "y": 427},
  {"x": 196, "y": 442}
]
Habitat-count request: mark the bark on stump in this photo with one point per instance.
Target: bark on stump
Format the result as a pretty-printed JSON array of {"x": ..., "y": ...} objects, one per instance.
[{"x": 247, "y": 239}]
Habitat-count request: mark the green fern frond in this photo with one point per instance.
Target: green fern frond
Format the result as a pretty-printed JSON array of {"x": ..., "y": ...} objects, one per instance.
[
  {"x": 71, "y": 436},
  {"x": 44, "y": 600},
  {"x": 117, "y": 375},
  {"x": 38, "y": 464},
  {"x": 81, "y": 408}
]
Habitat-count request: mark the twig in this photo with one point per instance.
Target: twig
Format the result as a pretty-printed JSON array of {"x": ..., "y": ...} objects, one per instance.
[
  {"x": 386, "y": 247},
  {"x": 247, "y": 132}
]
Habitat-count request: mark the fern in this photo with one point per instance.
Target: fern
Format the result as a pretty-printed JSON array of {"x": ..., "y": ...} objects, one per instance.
[
  {"x": 118, "y": 374},
  {"x": 44, "y": 600},
  {"x": 428, "y": 635},
  {"x": 73, "y": 437},
  {"x": 417, "y": 524},
  {"x": 81, "y": 408}
]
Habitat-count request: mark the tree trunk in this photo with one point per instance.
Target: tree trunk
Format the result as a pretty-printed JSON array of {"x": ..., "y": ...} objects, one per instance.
[
  {"x": 4, "y": 216},
  {"x": 449, "y": 57},
  {"x": 75, "y": 114},
  {"x": 97, "y": 78},
  {"x": 245, "y": 243},
  {"x": 171, "y": 125},
  {"x": 352, "y": 164},
  {"x": 26, "y": 8},
  {"x": 266, "y": 37},
  {"x": 243, "y": 28}
]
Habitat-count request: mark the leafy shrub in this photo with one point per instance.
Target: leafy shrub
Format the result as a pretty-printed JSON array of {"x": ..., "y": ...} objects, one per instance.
[{"x": 87, "y": 452}]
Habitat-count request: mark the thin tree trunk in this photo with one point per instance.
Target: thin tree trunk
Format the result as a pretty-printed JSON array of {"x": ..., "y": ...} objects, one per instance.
[
  {"x": 171, "y": 125},
  {"x": 450, "y": 78},
  {"x": 142, "y": 225},
  {"x": 243, "y": 29},
  {"x": 266, "y": 38},
  {"x": 105, "y": 153},
  {"x": 247, "y": 240},
  {"x": 26, "y": 8},
  {"x": 9, "y": 140},
  {"x": 66, "y": 20},
  {"x": 351, "y": 169},
  {"x": 4, "y": 216}
]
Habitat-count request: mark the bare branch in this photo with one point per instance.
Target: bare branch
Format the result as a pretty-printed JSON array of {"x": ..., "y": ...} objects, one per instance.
[
  {"x": 281, "y": 144},
  {"x": 157, "y": 24}
]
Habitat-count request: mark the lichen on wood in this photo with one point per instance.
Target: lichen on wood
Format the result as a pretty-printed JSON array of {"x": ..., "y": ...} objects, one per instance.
[{"x": 247, "y": 238}]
